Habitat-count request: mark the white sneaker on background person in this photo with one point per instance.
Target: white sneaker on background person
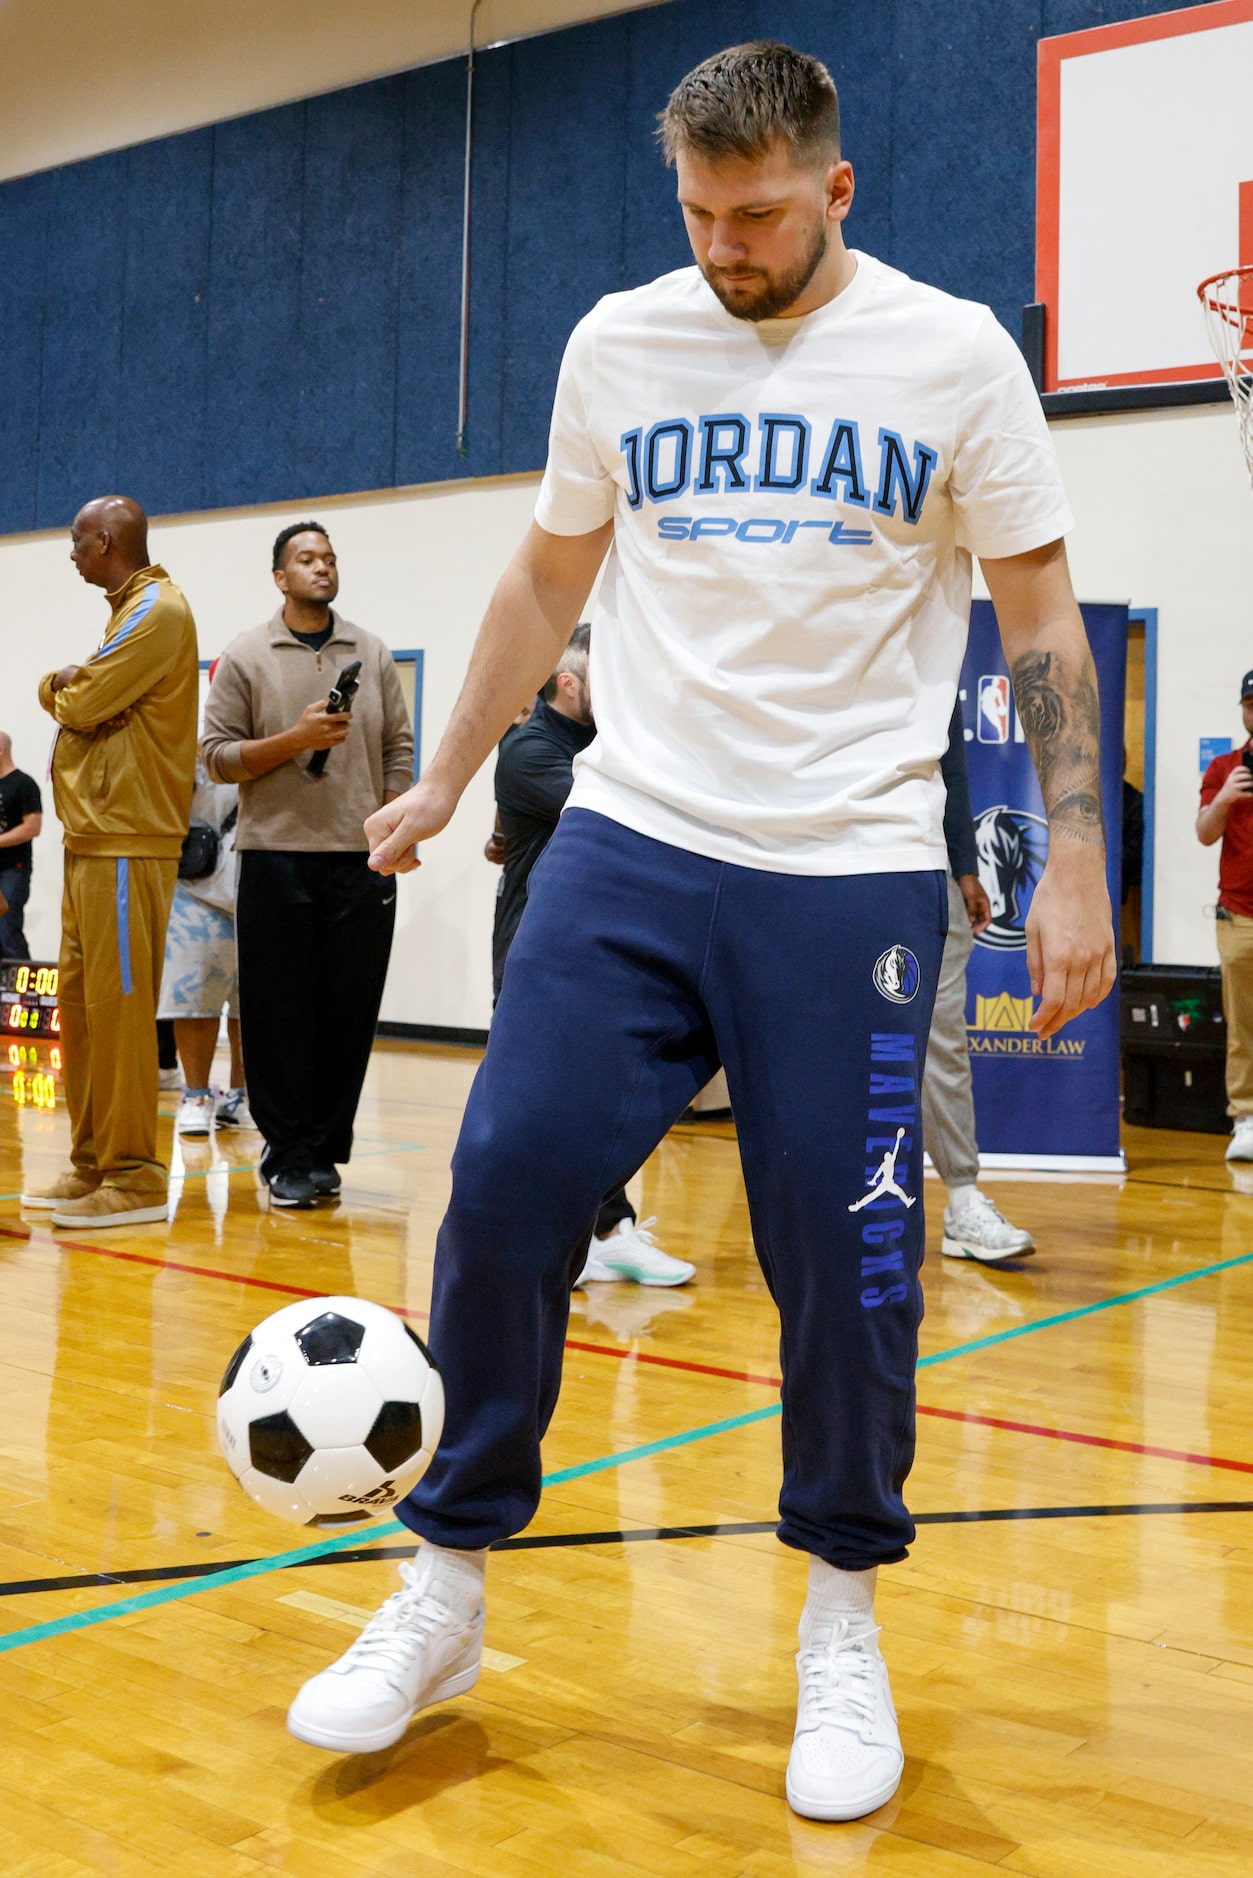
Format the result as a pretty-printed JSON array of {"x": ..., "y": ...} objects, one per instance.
[
  {"x": 423, "y": 1646},
  {"x": 1240, "y": 1147},
  {"x": 846, "y": 1757},
  {"x": 975, "y": 1228},
  {"x": 631, "y": 1253},
  {"x": 195, "y": 1113},
  {"x": 232, "y": 1110},
  {"x": 170, "y": 1078}
]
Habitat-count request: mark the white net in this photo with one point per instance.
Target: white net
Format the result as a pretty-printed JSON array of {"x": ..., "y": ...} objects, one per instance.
[{"x": 1228, "y": 303}]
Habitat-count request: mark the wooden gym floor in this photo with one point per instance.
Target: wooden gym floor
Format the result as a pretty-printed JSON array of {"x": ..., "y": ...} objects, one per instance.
[{"x": 1071, "y": 1641}]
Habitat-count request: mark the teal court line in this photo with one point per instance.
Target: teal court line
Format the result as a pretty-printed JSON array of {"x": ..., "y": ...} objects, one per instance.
[{"x": 279, "y": 1561}]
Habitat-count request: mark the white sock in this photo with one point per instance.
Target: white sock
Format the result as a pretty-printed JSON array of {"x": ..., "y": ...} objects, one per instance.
[
  {"x": 959, "y": 1198},
  {"x": 459, "y": 1575},
  {"x": 835, "y": 1593}
]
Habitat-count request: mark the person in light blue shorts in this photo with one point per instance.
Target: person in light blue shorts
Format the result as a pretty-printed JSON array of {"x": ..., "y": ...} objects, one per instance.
[{"x": 200, "y": 975}]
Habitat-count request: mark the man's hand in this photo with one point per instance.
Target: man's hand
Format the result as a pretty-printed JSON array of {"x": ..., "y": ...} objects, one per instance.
[
  {"x": 978, "y": 906},
  {"x": 1211, "y": 821},
  {"x": 66, "y": 676},
  {"x": 393, "y": 830},
  {"x": 1239, "y": 783},
  {"x": 319, "y": 729},
  {"x": 1070, "y": 937}
]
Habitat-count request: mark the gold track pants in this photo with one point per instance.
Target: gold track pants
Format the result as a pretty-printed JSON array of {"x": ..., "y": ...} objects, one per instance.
[{"x": 114, "y": 913}]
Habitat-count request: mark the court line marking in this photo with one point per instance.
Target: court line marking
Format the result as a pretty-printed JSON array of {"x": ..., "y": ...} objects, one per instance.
[
  {"x": 83, "y": 1620},
  {"x": 368, "y": 1555},
  {"x": 647, "y": 1357},
  {"x": 1108, "y": 1442},
  {"x": 774, "y": 1382},
  {"x": 1087, "y": 1441}
]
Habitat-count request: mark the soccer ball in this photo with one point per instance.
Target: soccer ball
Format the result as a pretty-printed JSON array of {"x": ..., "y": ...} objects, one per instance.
[{"x": 330, "y": 1411}]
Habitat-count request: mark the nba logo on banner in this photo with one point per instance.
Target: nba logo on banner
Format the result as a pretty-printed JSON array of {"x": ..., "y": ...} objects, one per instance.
[{"x": 993, "y": 720}]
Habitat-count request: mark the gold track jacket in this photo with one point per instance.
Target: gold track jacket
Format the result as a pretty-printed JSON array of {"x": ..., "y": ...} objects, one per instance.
[{"x": 124, "y": 760}]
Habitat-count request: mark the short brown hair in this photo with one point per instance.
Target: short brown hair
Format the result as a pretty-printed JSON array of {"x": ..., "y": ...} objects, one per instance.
[
  {"x": 573, "y": 659},
  {"x": 739, "y": 101}
]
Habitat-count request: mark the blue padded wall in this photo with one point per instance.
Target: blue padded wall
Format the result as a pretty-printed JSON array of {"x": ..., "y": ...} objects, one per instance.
[{"x": 268, "y": 310}]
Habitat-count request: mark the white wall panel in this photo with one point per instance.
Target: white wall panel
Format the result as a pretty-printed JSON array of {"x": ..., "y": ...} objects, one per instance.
[{"x": 417, "y": 568}]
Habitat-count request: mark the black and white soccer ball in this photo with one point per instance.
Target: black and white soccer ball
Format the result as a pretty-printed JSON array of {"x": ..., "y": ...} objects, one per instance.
[{"x": 330, "y": 1411}]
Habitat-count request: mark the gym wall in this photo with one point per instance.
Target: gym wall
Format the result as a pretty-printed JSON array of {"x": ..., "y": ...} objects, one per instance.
[{"x": 261, "y": 314}]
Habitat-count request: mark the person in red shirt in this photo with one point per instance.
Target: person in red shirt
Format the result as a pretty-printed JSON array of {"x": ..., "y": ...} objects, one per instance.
[{"x": 1226, "y": 815}]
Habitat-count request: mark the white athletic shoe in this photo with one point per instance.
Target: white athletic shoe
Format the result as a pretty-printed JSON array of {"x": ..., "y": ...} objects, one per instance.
[
  {"x": 417, "y": 1650},
  {"x": 846, "y": 1756},
  {"x": 195, "y": 1115},
  {"x": 1240, "y": 1147},
  {"x": 170, "y": 1078},
  {"x": 981, "y": 1231},
  {"x": 232, "y": 1110},
  {"x": 630, "y": 1252}
]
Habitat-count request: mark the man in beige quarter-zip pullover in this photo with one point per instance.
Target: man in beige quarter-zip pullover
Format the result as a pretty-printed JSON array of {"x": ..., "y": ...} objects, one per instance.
[{"x": 313, "y": 925}]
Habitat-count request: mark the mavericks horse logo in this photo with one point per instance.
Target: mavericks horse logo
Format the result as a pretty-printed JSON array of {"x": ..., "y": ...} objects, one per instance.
[
  {"x": 896, "y": 974},
  {"x": 1012, "y": 847}
]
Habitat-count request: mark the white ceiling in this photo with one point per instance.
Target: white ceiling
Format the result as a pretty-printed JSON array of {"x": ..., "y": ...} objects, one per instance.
[{"x": 76, "y": 78}]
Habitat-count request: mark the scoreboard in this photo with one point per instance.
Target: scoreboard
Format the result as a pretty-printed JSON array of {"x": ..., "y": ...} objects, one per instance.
[{"x": 28, "y": 1000}]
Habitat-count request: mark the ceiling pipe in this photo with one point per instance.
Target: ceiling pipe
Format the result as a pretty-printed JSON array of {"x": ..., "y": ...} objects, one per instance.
[{"x": 463, "y": 380}]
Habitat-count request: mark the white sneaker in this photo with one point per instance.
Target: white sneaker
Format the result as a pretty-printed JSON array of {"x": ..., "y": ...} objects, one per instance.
[
  {"x": 417, "y": 1650},
  {"x": 981, "y": 1231},
  {"x": 195, "y": 1115},
  {"x": 630, "y": 1252},
  {"x": 846, "y": 1756},
  {"x": 170, "y": 1078},
  {"x": 1240, "y": 1147},
  {"x": 232, "y": 1110}
]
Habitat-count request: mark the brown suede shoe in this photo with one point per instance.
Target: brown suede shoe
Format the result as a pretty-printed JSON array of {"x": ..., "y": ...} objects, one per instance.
[
  {"x": 71, "y": 1186},
  {"x": 112, "y": 1206}
]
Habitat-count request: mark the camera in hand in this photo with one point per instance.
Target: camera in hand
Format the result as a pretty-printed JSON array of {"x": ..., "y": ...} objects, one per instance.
[{"x": 340, "y": 699}]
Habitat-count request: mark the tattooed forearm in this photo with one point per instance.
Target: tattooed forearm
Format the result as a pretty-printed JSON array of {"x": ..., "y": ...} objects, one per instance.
[{"x": 1061, "y": 717}]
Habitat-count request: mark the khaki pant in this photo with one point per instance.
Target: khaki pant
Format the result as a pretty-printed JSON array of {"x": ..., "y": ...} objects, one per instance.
[
  {"x": 113, "y": 919},
  {"x": 1235, "y": 949},
  {"x": 948, "y": 1108}
]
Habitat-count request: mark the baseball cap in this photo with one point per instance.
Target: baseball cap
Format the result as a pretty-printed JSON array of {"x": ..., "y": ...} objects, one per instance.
[{"x": 1246, "y": 686}]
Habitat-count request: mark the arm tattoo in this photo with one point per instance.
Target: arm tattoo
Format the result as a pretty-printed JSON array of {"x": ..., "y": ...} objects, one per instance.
[{"x": 1061, "y": 716}]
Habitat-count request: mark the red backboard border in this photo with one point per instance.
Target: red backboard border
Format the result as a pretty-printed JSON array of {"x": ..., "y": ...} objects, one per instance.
[{"x": 1050, "y": 56}]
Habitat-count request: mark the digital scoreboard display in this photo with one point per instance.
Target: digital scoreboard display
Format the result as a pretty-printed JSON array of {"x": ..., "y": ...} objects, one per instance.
[{"x": 29, "y": 1005}]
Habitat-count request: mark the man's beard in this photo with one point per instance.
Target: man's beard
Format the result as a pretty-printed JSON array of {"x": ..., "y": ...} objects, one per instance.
[{"x": 776, "y": 292}]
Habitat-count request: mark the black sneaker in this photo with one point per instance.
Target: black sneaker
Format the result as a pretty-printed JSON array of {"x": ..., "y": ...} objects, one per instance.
[
  {"x": 290, "y": 1189},
  {"x": 326, "y": 1182}
]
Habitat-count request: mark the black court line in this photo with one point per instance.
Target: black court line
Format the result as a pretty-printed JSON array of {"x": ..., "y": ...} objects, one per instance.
[{"x": 160, "y": 1574}]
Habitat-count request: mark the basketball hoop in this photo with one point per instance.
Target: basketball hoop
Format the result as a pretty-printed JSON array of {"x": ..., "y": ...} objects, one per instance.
[{"x": 1228, "y": 302}]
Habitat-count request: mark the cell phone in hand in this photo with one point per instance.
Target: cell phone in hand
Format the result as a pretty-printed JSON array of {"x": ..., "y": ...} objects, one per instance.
[
  {"x": 1247, "y": 756},
  {"x": 341, "y": 696}
]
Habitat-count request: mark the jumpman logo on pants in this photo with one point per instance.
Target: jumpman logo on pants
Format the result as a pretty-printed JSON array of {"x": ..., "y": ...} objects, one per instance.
[{"x": 884, "y": 1179}]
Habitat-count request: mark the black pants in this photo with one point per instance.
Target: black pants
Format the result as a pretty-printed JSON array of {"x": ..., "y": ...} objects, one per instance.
[
  {"x": 313, "y": 933},
  {"x": 15, "y": 888}
]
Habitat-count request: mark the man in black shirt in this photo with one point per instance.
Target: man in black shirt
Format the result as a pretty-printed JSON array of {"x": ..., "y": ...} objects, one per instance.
[
  {"x": 21, "y": 818},
  {"x": 534, "y": 774}
]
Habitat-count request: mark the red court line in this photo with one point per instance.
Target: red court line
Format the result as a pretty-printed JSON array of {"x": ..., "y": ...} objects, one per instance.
[
  {"x": 1087, "y": 1441},
  {"x": 303, "y": 1291},
  {"x": 669, "y": 1362},
  {"x": 674, "y": 1362}
]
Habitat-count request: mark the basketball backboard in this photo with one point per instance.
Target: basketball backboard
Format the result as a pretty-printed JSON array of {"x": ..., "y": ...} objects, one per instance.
[{"x": 1144, "y": 187}]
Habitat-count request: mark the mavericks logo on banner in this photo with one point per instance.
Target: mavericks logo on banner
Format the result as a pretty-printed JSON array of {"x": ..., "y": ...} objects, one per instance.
[{"x": 1055, "y": 1098}]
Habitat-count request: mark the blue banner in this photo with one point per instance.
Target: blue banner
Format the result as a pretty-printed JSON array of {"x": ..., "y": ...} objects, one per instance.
[{"x": 1056, "y": 1100}]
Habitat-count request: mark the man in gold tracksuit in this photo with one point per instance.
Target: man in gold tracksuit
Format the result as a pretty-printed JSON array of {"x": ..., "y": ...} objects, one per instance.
[{"x": 122, "y": 773}]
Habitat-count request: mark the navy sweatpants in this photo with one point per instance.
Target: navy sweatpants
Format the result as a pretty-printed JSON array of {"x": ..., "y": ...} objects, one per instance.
[{"x": 637, "y": 969}]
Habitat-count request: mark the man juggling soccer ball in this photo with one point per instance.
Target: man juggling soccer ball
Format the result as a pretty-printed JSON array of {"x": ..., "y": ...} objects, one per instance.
[{"x": 790, "y": 453}]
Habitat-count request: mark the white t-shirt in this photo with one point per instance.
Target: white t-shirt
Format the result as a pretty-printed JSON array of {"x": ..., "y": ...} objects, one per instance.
[{"x": 780, "y": 629}]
